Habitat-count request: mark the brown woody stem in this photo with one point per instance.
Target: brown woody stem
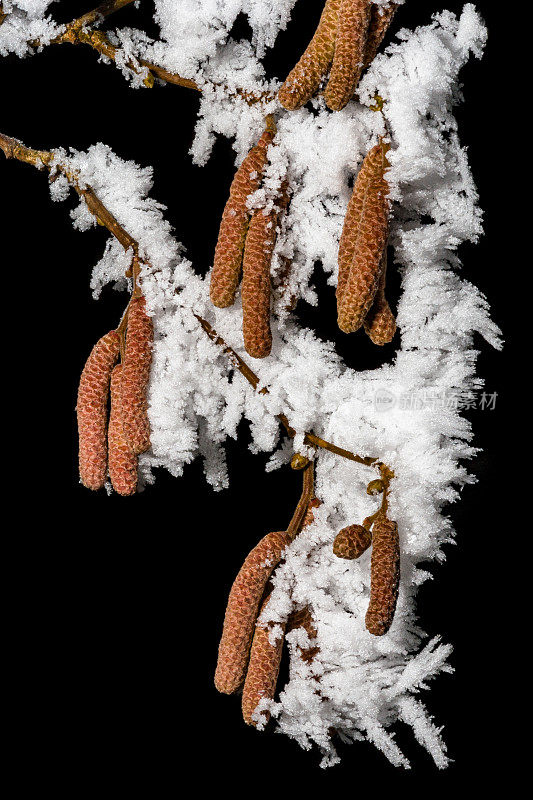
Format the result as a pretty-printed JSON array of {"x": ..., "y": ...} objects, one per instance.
[
  {"x": 42, "y": 158},
  {"x": 307, "y": 495},
  {"x": 253, "y": 379},
  {"x": 79, "y": 31}
]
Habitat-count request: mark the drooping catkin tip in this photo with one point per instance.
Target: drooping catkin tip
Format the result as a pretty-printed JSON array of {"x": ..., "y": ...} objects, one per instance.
[
  {"x": 352, "y": 541},
  {"x": 91, "y": 410}
]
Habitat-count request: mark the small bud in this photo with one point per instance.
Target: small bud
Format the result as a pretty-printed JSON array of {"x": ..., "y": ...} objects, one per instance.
[
  {"x": 351, "y": 542},
  {"x": 298, "y": 461},
  {"x": 375, "y": 487}
]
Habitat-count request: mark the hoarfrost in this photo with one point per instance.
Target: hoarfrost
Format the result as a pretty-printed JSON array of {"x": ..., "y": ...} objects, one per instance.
[{"x": 358, "y": 684}]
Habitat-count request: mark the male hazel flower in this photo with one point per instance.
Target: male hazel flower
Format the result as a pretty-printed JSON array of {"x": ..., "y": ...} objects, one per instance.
[
  {"x": 135, "y": 376},
  {"x": 92, "y": 410}
]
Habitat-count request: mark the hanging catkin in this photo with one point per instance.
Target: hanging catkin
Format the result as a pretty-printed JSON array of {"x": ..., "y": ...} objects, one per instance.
[
  {"x": 234, "y": 224},
  {"x": 304, "y": 79},
  {"x": 122, "y": 462},
  {"x": 380, "y": 20},
  {"x": 241, "y": 611},
  {"x": 385, "y": 576},
  {"x": 255, "y": 290},
  {"x": 352, "y": 541},
  {"x": 135, "y": 376},
  {"x": 92, "y": 410},
  {"x": 380, "y": 324},
  {"x": 263, "y": 668},
  {"x": 350, "y": 44},
  {"x": 363, "y": 241}
]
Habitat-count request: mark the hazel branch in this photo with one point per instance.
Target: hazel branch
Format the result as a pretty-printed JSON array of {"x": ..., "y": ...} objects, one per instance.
[
  {"x": 13, "y": 148},
  {"x": 252, "y": 378},
  {"x": 79, "y": 31}
]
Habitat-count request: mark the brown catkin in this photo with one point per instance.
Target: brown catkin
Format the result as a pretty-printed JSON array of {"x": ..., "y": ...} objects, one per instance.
[
  {"x": 380, "y": 20},
  {"x": 255, "y": 291},
  {"x": 234, "y": 224},
  {"x": 135, "y": 376},
  {"x": 241, "y": 611},
  {"x": 304, "y": 79},
  {"x": 352, "y": 541},
  {"x": 91, "y": 410},
  {"x": 385, "y": 576},
  {"x": 122, "y": 462},
  {"x": 380, "y": 324},
  {"x": 348, "y": 61},
  {"x": 363, "y": 241},
  {"x": 263, "y": 669}
]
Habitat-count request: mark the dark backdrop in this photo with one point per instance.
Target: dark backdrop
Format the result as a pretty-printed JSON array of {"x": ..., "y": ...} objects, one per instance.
[{"x": 115, "y": 605}]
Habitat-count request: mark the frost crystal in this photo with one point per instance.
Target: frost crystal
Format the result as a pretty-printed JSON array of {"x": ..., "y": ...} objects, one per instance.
[{"x": 358, "y": 684}]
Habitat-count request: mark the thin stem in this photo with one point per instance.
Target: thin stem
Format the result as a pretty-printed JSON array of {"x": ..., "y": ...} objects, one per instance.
[
  {"x": 79, "y": 31},
  {"x": 307, "y": 495},
  {"x": 253, "y": 379},
  {"x": 97, "y": 14},
  {"x": 42, "y": 158}
]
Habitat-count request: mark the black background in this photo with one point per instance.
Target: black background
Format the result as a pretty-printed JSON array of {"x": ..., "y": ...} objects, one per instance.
[{"x": 115, "y": 605}]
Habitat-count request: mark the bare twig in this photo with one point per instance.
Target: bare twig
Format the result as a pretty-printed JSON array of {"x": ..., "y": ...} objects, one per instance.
[
  {"x": 252, "y": 378},
  {"x": 13, "y": 148},
  {"x": 80, "y": 31},
  {"x": 303, "y": 503}
]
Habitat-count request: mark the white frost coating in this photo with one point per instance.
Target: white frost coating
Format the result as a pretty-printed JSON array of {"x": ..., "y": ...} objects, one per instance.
[
  {"x": 358, "y": 684},
  {"x": 25, "y": 21}
]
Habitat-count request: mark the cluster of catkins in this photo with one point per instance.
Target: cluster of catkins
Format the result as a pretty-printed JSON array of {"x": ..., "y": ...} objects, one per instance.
[
  {"x": 347, "y": 39},
  {"x": 245, "y": 243},
  {"x": 112, "y": 447},
  {"x": 345, "y": 43},
  {"x": 249, "y": 654},
  {"x": 351, "y": 542}
]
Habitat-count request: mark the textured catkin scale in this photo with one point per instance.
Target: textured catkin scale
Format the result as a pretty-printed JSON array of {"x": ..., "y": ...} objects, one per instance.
[
  {"x": 380, "y": 20},
  {"x": 303, "y": 81},
  {"x": 385, "y": 576},
  {"x": 350, "y": 45},
  {"x": 380, "y": 324},
  {"x": 122, "y": 462},
  {"x": 135, "y": 376},
  {"x": 255, "y": 290},
  {"x": 241, "y": 611},
  {"x": 263, "y": 669},
  {"x": 91, "y": 410},
  {"x": 234, "y": 224},
  {"x": 363, "y": 241},
  {"x": 352, "y": 541}
]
